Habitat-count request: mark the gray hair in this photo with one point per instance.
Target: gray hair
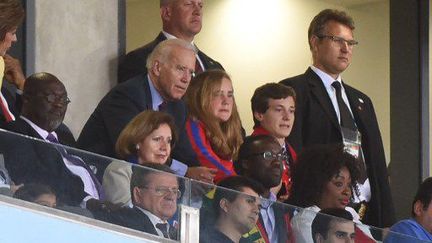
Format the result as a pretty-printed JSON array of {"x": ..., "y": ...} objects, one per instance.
[{"x": 163, "y": 49}]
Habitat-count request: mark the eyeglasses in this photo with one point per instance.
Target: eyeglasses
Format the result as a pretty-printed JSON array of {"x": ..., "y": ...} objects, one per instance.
[
  {"x": 51, "y": 98},
  {"x": 339, "y": 40},
  {"x": 163, "y": 191},
  {"x": 270, "y": 156},
  {"x": 185, "y": 71}
]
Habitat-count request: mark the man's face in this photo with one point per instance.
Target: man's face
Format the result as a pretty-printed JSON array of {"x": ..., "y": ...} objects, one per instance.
[
  {"x": 267, "y": 170},
  {"x": 424, "y": 216},
  {"x": 160, "y": 195},
  {"x": 339, "y": 232},
  {"x": 47, "y": 105},
  {"x": 278, "y": 118},
  {"x": 244, "y": 210},
  {"x": 330, "y": 56},
  {"x": 184, "y": 17},
  {"x": 173, "y": 75}
]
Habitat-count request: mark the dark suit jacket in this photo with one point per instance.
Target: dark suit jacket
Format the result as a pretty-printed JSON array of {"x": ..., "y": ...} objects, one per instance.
[
  {"x": 120, "y": 106},
  {"x": 135, "y": 219},
  {"x": 316, "y": 123},
  {"x": 134, "y": 63},
  {"x": 38, "y": 162}
]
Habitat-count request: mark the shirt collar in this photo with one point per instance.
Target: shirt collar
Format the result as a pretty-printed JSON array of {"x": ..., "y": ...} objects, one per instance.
[
  {"x": 156, "y": 97},
  {"x": 325, "y": 78},
  {"x": 169, "y": 36},
  {"x": 153, "y": 218},
  {"x": 43, "y": 133}
]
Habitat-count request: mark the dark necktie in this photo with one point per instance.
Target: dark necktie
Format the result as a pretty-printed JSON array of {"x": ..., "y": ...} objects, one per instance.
[
  {"x": 346, "y": 120},
  {"x": 78, "y": 162},
  {"x": 163, "y": 106},
  {"x": 164, "y": 229}
]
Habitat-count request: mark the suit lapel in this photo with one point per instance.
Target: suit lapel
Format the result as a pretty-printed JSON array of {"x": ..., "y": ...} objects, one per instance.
[
  {"x": 320, "y": 93},
  {"x": 143, "y": 222}
]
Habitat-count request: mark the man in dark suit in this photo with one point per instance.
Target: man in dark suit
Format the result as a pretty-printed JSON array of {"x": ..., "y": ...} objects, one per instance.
[
  {"x": 180, "y": 19},
  {"x": 44, "y": 106},
  {"x": 154, "y": 191},
  {"x": 260, "y": 159},
  {"x": 325, "y": 105},
  {"x": 170, "y": 68}
]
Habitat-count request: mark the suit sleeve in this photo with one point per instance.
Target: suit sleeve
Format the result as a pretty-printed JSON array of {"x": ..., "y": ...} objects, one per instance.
[
  {"x": 376, "y": 147},
  {"x": 116, "y": 113},
  {"x": 116, "y": 183}
]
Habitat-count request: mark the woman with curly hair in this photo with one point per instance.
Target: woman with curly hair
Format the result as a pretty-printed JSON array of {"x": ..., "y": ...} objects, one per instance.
[
  {"x": 213, "y": 125},
  {"x": 325, "y": 176}
]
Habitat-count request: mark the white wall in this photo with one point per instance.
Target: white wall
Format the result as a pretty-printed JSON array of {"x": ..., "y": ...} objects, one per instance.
[
  {"x": 259, "y": 42},
  {"x": 78, "y": 42}
]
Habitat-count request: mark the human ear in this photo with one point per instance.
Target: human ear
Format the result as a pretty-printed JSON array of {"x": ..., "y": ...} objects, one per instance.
[
  {"x": 165, "y": 13},
  {"x": 418, "y": 208},
  {"x": 259, "y": 116},
  {"x": 223, "y": 204}
]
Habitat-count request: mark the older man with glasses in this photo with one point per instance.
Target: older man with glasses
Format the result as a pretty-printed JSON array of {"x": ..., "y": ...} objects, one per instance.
[
  {"x": 44, "y": 107},
  {"x": 155, "y": 191}
]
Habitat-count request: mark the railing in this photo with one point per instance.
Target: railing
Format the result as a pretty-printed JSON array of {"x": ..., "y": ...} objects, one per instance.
[{"x": 194, "y": 219}]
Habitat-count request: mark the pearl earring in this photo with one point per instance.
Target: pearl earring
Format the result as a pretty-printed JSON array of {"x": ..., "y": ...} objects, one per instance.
[{"x": 137, "y": 147}]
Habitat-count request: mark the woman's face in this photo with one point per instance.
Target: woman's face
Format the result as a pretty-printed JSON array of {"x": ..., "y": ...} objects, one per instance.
[
  {"x": 222, "y": 100},
  {"x": 10, "y": 38},
  {"x": 156, "y": 147},
  {"x": 337, "y": 192}
]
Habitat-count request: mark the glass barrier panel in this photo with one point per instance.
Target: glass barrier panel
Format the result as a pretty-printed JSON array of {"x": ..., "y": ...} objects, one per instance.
[
  {"x": 151, "y": 198},
  {"x": 44, "y": 224},
  {"x": 91, "y": 185},
  {"x": 225, "y": 212}
]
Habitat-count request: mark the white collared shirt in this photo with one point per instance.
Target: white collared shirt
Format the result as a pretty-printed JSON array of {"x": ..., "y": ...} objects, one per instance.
[
  {"x": 155, "y": 220},
  {"x": 327, "y": 81}
]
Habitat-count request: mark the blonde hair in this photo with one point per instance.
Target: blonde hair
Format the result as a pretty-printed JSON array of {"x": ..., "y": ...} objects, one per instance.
[
  {"x": 139, "y": 128},
  {"x": 225, "y": 137}
]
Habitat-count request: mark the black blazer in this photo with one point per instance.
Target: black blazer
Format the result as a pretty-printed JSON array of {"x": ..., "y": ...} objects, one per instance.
[
  {"x": 316, "y": 123},
  {"x": 134, "y": 63},
  {"x": 120, "y": 106},
  {"x": 135, "y": 219},
  {"x": 39, "y": 162}
]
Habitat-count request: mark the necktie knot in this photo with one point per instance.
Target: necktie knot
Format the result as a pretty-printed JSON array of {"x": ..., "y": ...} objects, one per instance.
[
  {"x": 163, "y": 227},
  {"x": 163, "y": 106},
  {"x": 336, "y": 85},
  {"x": 52, "y": 138}
]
